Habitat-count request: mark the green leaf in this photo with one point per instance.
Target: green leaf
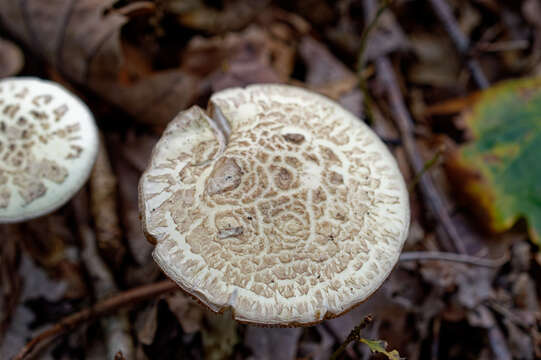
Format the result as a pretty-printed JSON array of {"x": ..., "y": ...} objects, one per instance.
[
  {"x": 379, "y": 346},
  {"x": 501, "y": 169}
]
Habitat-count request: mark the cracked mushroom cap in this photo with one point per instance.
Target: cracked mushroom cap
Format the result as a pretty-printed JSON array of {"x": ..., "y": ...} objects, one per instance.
[
  {"x": 285, "y": 208},
  {"x": 48, "y": 145}
]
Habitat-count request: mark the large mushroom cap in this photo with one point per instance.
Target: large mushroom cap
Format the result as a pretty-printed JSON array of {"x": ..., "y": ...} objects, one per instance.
[
  {"x": 300, "y": 215},
  {"x": 48, "y": 144}
]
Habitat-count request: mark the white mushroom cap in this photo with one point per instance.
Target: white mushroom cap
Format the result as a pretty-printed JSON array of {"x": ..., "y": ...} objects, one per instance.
[
  {"x": 48, "y": 145},
  {"x": 300, "y": 216}
]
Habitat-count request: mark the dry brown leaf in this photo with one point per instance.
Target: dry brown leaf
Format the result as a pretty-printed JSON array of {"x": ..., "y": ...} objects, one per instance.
[
  {"x": 82, "y": 40},
  {"x": 329, "y": 76},
  {"x": 11, "y": 59},
  {"x": 103, "y": 201},
  {"x": 49, "y": 241},
  {"x": 437, "y": 65},
  {"x": 237, "y": 59},
  {"x": 188, "y": 313},
  {"x": 37, "y": 284},
  {"x": 234, "y": 16},
  {"x": 146, "y": 324}
]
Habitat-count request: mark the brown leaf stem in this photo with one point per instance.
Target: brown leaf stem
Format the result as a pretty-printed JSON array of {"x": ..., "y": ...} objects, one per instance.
[
  {"x": 451, "y": 257},
  {"x": 354, "y": 335}
]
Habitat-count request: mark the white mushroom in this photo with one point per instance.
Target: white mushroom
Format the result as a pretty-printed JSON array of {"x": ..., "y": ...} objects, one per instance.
[
  {"x": 298, "y": 217},
  {"x": 48, "y": 145}
]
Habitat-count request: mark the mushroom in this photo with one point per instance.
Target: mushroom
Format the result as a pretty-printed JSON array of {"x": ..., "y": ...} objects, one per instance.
[
  {"x": 48, "y": 145},
  {"x": 280, "y": 205}
]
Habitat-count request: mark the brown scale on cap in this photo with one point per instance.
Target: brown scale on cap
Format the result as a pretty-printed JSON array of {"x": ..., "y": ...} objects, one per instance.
[{"x": 298, "y": 217}]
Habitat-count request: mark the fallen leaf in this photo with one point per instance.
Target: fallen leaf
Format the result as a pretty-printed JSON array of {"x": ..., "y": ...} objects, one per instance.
[
  {"x": 237, "y": 59},
  {"x": 380, "y": 347},
  {"x": 329, "y": 76},
  {"x": 37, "y": 285},
  {"x": 234, "y": 16},
  {"x": 146, "y": 324},
  {"x": 437, "y": 63},
  {"x": 81, "y": 39},
  {"x": 188, "y": 313},
  {"x": 11, "y": 59},
  {"x": 500, "y": 169}
]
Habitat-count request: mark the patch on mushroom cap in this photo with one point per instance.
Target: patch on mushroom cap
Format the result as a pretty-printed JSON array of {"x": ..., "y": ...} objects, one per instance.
[
  {"x": 48, "y": 144},
  {"x": 300, "y": 217}
]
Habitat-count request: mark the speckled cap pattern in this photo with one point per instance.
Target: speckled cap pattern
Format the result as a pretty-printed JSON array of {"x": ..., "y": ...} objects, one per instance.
[
  {"x": 48, "y": 145},
  {"x": 297, "y": 216}
]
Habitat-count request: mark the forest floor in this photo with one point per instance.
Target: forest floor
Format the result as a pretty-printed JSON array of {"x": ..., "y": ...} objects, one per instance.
[{"x": 414, "y": 78}]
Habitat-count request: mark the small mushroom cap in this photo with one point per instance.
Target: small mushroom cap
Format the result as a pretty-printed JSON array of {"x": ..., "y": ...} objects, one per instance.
[
  {"x": 287, "y": 208},
  {"x": 48, "y": 145}
]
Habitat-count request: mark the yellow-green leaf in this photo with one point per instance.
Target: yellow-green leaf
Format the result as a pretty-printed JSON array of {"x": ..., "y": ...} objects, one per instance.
[
  {"x": 501, "y": 168},
  {"x": 379, "y": 346}
]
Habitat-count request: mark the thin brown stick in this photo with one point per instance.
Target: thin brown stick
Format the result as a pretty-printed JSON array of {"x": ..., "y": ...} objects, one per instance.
[
  {"x": 116, "y": 327},
  {"x": 405, "y": 126},
  {"x": 451, "y": 257},
  {"x": 404, "y": 123},
  {"x": 462, "y": 44},
  {"x": 103, "y": 201},
  {"x": 101, "y": 308}
]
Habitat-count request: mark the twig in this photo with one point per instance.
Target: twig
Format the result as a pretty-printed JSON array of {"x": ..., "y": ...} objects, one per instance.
[
  {"x": 354, "y": 335},
  {"x": 509, "y": 315},
  {"x": 405, "y": 126},
  {"x": 116, "y": 328},
  {"x": 103, "y": 198},
  {"x": 459, "y": 258},
  {"x": 101, "y": 308},
  {"x": 361, "y": 59},
  {"x": 512, "y": 45},
  {"x": 497, "y": 342},
  {"x": 404, "y": 123},
  {"x": 462, "y": 44},
  {"x": 427, "y": 166}
]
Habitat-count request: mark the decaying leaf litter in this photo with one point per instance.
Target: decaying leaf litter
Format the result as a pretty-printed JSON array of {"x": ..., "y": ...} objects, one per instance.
[{"x": 137, "y": 63}]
